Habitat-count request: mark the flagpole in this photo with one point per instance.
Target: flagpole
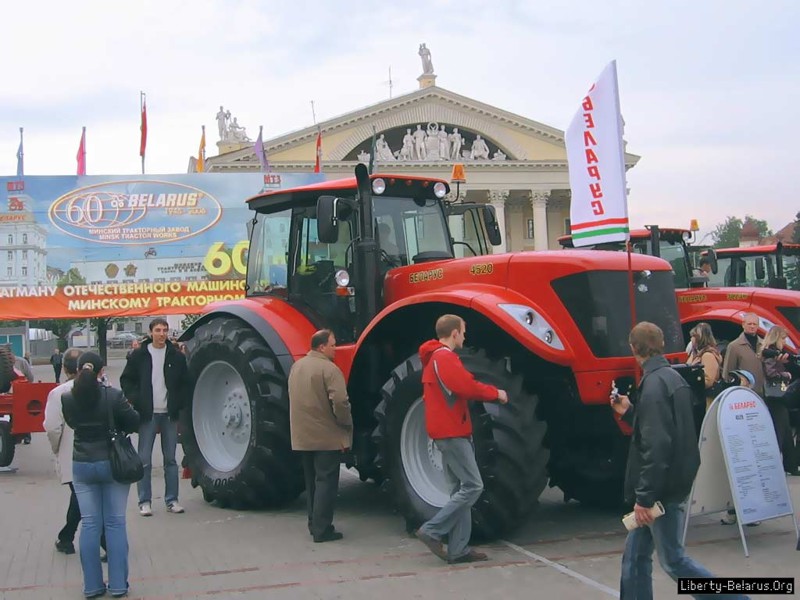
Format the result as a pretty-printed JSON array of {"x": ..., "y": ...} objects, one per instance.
[
  {"x": 21, "y": 157},
  {"x": 142, "y": 125}
]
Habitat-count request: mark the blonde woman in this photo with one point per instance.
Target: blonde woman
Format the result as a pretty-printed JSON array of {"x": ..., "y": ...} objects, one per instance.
[
  {"x": 775, "y": 359},
  {"x": 704, "y": 352}
]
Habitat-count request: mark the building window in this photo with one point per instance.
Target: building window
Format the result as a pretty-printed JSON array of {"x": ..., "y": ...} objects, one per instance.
[
  {"x": 567, "y": 227},
  {"x": 24, "y": 255},
  {"x": 10, "y": 255},
  {"x": 24, "y": 271},
  {"x": 10, "y": 271},
  {"x": 10, "y": 239},
  {"x": 529, "y": 230},
  {"x": 24, "y": 238}
]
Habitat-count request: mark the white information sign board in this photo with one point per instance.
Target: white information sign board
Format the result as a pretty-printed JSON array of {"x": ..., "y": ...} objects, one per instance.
[{"x": 741, "y": 465}]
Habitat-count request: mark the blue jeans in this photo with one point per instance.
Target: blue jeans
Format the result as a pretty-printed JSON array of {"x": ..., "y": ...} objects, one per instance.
[
  {"x": 664, "y": 534},
  {"x": 169, "y": 441},
  {"x": 102, "y": 501},
  {"x": 454, "y": 519}
]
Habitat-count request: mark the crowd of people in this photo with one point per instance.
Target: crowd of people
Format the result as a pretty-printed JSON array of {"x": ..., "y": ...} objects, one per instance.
[
  {"x": 79, "y": 415},
  {"x": 663, "y": 457}
]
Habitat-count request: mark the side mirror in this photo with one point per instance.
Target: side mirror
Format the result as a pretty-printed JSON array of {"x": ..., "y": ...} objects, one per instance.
[
  {"x": 711, "y": 255},
  {"x": 492, "y": 227},
  {"x": 760, "y": 271},
  {"x": 327, "y": 221}
]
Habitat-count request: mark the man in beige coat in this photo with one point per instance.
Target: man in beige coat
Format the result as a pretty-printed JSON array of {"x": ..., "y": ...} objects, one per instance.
[
  {"x": 742, "y": 353},
  {"x": 322, "y": 429}
]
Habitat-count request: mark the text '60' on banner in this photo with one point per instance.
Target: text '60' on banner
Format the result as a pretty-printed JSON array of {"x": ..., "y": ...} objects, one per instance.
[{"x": 599, "y": 207}]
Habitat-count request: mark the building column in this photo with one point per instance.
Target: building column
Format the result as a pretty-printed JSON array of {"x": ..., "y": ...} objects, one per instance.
[
  {"x": 497, "y": 198},
  {"x": 539, "y": 204}
]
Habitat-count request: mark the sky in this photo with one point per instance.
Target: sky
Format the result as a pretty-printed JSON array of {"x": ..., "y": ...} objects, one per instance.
[{"x": 709, "y": 90}]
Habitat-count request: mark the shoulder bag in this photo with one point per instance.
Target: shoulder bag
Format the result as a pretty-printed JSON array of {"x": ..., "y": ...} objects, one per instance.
[
  {"x": 126, "y": 466},
  {"x": 774, "y": 389}
]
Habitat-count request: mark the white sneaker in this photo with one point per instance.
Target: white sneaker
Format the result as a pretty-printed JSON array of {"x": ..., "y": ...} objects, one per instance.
[
  {"x": 145, "y": 510},
  {"x": 174, "y": 508}
]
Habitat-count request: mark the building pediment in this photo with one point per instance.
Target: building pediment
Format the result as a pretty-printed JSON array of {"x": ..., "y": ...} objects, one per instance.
[{"x": 507, "y": 137}]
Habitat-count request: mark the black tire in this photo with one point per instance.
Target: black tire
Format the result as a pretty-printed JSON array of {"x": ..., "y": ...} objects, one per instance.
[
  {"x": 269, "y": 474},
  {"x": 508, "y": 446},
  {"x": 6, "y": 369},
  {"x": 591, "y": 473},
  {"x": 6, "y": 444}
]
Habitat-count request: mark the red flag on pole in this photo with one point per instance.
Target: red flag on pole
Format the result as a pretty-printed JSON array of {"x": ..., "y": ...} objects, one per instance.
[
  {"x": 143, "y": 142},
  {"x": 317, "y": 165},
  {"x": 81, "y": 156}
]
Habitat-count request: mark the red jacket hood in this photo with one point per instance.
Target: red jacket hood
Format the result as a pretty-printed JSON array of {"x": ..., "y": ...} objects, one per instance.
[{"x": 427, "y": 349}]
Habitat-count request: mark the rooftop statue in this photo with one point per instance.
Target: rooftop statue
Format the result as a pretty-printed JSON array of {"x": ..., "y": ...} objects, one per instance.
[{"x": 427, "y": 63}]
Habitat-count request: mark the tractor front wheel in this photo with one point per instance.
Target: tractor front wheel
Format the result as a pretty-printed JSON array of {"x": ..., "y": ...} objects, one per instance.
[{"x": 235, "y": 432}]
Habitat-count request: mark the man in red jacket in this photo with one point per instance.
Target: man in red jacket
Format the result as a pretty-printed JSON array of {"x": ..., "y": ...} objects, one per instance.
[{"x": 446, "y": 388}]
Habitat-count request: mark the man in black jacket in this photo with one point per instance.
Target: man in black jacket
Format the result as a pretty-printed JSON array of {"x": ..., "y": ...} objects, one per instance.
[
  {"x": 662, "y": 463},
  {"x": 156, "y": 381}
]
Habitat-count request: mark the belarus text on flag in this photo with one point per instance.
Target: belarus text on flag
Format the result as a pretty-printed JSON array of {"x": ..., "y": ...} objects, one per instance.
[{"x": 596, "y": 157}]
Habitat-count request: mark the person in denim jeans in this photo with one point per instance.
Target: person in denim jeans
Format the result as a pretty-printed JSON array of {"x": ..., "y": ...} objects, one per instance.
[
  {"x": 662, "y": 463},
  {"x": 101, "y": 499},
  {"x": 156, "y": 381},
  {"x": 447, "y": 386}
]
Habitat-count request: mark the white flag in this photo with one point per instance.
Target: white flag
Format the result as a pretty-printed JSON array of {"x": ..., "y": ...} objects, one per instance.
[{"x": 596, "y": 157}]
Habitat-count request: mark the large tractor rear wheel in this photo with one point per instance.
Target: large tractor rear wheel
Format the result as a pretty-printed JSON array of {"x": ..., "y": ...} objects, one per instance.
[
  {"x": 591, "y": 472},
  {"x": 508, "y": 446},
  {"x": 235, "y": 432},
  {"x": 6, "y": 444},
  {"x": 6, "y": 369}
]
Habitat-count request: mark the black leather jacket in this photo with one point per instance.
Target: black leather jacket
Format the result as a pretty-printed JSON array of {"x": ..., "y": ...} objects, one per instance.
[
  {"x": 137, "y": 381},
  {"x": 663, "y": 458},
  {"x": 91, "y": 426}
]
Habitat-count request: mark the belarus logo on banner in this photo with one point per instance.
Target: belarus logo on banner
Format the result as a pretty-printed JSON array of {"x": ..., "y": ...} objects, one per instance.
[{"x": 599, "y": 207}]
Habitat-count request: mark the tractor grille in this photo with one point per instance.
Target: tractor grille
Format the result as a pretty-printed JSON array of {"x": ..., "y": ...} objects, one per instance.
[{"x": 599, "y": 303}]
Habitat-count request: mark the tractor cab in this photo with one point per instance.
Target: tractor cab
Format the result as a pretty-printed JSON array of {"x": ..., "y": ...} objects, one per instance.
[
  {"x": 671, "y": 244},
  {"x": 326, "y": 247},
  {"x": 769, "y": 265}
]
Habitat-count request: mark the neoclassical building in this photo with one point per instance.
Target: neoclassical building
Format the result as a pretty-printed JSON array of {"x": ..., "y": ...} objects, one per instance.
[{"x": 517, "y": 164}]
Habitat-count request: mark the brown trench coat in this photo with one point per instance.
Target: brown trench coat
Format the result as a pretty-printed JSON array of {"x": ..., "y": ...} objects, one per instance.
[
  {"x": 740, "y": 355},
  {"x": 319, "y": 409}
]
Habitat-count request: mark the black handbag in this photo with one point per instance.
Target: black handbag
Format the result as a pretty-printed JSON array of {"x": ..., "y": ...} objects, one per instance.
[
  {"x": 126, "y": 466},
  {"x": 774, "y": 389}
]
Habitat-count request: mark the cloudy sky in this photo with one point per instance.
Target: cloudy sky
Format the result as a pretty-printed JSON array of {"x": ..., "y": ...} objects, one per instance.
[{"x": 709, "y": 89}]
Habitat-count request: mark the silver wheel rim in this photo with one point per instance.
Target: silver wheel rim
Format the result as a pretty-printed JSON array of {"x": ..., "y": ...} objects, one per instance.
[
  {"x": 221, "y": 416},
  {"x": 422, "y": 461}
]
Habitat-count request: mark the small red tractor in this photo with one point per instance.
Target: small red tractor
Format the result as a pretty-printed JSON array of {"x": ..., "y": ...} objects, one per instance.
[
  {"x": 21, "y": 406},
  {"x": 700, "y": 300},
  {"x": 372, "y": 258}
]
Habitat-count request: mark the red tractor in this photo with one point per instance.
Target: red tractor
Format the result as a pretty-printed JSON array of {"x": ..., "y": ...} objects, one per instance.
[
  {"x": 21, "y": 406},
  {"x": 769, "y": 265},
  {"x": 699, "y": 300},
  {"x": 372, "y": 258}
]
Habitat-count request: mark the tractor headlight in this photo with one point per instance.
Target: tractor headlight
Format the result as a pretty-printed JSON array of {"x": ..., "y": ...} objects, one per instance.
[
  {"x": 535, "y": 323},
  {"x": 378, "y": 186},
  {"x": 342, "y": 278},
  {"x": 439, "y": 189}
]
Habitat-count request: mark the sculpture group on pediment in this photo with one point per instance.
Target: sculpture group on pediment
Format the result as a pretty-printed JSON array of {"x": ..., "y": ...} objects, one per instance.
[
  {"x": 433, "y": 143},
  {"x": 229, "y": 128}
]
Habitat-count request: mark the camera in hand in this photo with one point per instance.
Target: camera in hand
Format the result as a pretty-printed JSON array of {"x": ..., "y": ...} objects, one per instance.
[{"x": 775, "y": 353}]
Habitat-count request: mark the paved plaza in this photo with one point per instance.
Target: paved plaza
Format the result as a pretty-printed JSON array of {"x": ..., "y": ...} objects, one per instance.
[{"x": 563, "y": 551}]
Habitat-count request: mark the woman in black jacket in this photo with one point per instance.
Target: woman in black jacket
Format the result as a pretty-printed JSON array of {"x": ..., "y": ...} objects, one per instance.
[
  {"x": 778, "y": 376},
  {"x": 102, "y": 500}
]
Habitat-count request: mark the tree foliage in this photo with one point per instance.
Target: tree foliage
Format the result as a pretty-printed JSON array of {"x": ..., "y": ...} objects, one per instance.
[{"x": 728, "y": 233}]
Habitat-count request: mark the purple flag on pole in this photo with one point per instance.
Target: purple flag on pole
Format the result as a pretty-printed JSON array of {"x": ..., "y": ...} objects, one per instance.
[{"x": 259, "y": 150}]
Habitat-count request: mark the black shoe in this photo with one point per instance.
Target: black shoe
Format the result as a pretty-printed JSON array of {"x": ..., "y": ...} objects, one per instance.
[
  {"x": 328, "y": 536},
  {"x": 469, "y": 557},
  {"x": 65, "y": 547}
]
